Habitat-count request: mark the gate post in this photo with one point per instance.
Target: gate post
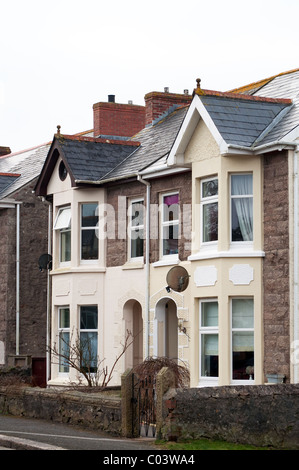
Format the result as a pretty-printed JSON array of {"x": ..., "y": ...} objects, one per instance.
[
  {"x": 165, "y": 380},
  {"x": 126, "y": 403}
]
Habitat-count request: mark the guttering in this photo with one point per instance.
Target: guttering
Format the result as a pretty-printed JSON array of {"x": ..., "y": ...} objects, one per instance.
[
  {"x": 147, "y": 266},
  {"x": 277, "y": 145},
  {"x": 296, "y": 240}
]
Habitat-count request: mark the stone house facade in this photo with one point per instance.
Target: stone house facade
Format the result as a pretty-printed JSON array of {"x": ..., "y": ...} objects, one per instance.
[{"x": 23, "y": 238}]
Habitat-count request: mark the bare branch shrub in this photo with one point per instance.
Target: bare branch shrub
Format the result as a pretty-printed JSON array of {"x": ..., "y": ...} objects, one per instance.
[{"x": 152, "y": 365}]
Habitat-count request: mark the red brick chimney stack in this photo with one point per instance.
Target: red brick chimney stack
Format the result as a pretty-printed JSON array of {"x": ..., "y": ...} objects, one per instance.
[
  {"x": 115, "y": 119},
  {"x": 158, "y": 103}
]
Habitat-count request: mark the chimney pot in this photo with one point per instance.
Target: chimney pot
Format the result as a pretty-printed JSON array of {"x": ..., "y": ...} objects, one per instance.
[
  {"x": 111, "y": 98},
  {"x": 166, "y": 89}
]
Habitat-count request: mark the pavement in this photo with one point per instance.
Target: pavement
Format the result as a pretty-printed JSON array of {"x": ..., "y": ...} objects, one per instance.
[{"x": 19, "y": 433}]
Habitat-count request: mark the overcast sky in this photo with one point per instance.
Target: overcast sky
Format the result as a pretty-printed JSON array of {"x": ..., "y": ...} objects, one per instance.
[{"x": 60, "y": 57}]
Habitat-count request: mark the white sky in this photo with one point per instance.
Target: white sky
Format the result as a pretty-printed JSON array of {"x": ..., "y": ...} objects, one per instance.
[{"x": 58, "y": 58}]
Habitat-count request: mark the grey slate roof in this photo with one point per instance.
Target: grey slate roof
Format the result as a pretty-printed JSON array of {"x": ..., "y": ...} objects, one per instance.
[
  {"x": 156, "y": 141},
  {"x": 6, "y": 181},
  {"x": 242, "y": 121},
  {"x": 283, "y": 86},
  {"x": 27, "y": 163},
  {"x": 90, "y": 160}
]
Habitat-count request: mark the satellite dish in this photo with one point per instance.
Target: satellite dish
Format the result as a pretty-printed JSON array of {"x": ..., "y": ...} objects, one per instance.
[
  {"x": 45, "y": 262},
  {"x": 177, "y": 279}
]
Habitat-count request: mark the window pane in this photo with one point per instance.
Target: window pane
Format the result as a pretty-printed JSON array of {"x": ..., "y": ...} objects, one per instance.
[
  {"x": 63, "y": 219},
  {"x": 209, "y": 355},
  {"x": 64, "y": 318},
  {"x": 210, "y": 222},
  {"x": 137, "y": 214},
  {"x": 242, "y": 313},
  {"x": 90, "y": 244},
  {"x": 89, "y": 317},
  {"x": 171, "y": 208},
  {"x": 64, "y": 349},
  {"x": 241, "y": 185},
  {"x": 89, "y": 217},
  {"x": 65, "y": 246},
  {"x": 243, "y": 355},
  {"x": 209, "y": 314},
  {"x": 136, "y": 243},
  {"x": 89, "y": 347},
  {"x": 210, "y": 188},
  {"x": 170, "y": 239}
]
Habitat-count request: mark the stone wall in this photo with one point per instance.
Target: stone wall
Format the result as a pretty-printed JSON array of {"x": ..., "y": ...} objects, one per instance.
[
  {"x": 100, "y": 410},
  {"x": 276, "y": 266},
  {"x": 261, "y": 415}
]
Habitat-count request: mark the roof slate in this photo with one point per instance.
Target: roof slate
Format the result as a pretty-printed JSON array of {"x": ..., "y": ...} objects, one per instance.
[
  {"x": 92, "y": 159},
  {"x": 241, "y": 121}
]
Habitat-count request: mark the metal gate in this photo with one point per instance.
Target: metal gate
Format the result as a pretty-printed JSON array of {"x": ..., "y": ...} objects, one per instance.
[{"x": 144, "y": 406}]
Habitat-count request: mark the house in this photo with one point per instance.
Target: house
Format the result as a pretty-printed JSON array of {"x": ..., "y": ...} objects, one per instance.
[
  {"x": 208, "y": 185},
  {"x": 23, "y": 238},
  {"x": 100, "y": 272},
  {"x": 242, "y": 148}
]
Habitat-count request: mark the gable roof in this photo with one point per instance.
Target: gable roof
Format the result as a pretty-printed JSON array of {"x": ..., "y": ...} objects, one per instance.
[{"x": 244, "y": 123}]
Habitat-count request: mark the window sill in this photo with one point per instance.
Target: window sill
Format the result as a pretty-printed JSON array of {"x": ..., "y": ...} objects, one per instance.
[
  {"x": 227, "y": 254},
  {"x": 133, "y": 265},
  {"x": 204, "y": 382},
  {"x": 80, "y": 269},
  {"x": 166, "y": 262}
]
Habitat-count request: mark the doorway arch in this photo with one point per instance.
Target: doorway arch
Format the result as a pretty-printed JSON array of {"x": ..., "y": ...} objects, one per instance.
[
  {"x": 133, "y": 322},
  {"x": 166, "y": 329}
]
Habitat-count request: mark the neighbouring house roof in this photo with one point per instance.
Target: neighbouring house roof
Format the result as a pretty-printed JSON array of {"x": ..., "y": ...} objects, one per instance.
[
  {"x": 20, "y": 168},
  {"x": 6, "y": 179}
]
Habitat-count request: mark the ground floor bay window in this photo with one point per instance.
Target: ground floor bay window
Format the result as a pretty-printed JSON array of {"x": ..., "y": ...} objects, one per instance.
[{"x": 242, "y": 317}]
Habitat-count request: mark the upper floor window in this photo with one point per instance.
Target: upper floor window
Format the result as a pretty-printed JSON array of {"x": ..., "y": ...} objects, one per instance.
[
  {"x": 62, "y": 224},
  {"x": 89, "y": 231},
  {"x": 136, "y": 229},
  {"x": 209, "y": 208},
  {"x": 170, "y": 224},
  {"x": 241, "y": 208}
]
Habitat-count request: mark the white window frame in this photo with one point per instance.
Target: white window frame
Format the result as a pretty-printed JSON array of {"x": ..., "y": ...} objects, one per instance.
[
  {"x": 207, "y": 330},
  {"x": 62, "y": 225},
  {"x": 163, "y": 224},
  {"x": 234, "y": 330},
  {"x": 240, "y": 244},
  {"x": 204, "y": 201},
  {"x": 62, "y": 330},
  {"x": 133, "y": 228},
  {"x": 95, "y": 228}
]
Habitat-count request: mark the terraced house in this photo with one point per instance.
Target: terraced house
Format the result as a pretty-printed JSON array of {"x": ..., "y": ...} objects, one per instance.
[{"x": 207, "y": 183}]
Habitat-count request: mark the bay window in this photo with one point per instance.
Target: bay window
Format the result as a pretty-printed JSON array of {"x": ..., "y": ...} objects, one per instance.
[
  {"x": 241, "y": 208},
  {"x": 242, "y": 317}
]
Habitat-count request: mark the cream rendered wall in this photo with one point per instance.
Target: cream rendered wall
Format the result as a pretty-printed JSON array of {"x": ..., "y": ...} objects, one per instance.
[{"x": 223, "y": 271}]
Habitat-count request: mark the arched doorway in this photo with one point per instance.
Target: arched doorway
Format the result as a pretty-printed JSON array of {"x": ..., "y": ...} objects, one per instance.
[
  {"x": 133, "y": 322},
  {"x": 166, "y": 329}
]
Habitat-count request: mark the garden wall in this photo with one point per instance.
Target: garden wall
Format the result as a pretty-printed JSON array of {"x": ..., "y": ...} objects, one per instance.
[
  {"x": 261, "y": 415},
  {"x": 101, "y": 410}
]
